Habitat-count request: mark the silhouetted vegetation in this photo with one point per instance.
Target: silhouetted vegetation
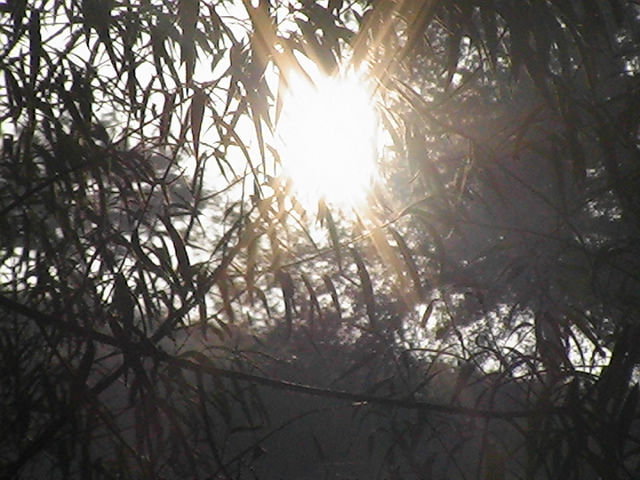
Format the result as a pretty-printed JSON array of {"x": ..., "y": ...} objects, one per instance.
[{"x": 168, "y": 309}]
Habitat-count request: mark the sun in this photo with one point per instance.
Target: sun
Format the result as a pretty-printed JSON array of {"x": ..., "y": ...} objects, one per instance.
[{"x": 327, "y": 133}]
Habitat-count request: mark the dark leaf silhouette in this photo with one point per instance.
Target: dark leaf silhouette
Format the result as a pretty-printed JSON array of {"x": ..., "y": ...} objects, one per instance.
[{"x": 170, "y": 307}]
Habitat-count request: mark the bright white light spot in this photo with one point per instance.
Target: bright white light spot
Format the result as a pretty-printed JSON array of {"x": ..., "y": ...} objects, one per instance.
[{"x": 327, "y": 133}]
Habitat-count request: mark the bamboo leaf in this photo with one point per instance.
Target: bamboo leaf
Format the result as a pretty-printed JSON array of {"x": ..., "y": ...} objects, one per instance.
[
  {"x": 123, "y": 303},
  {"x": 223, "y": 283},
  {"x": 184, "y": 265},
  {"x": 367, "y": 288},
  {"x": 188, "y": 13},
  {"x": 427, "y": 313},
  {"x": 35, "y": 45},
  {"x": 288, "y": 293},
  {"x": 166, "y": 116},
  {"x": 252, "y": 252},
  {"x": 334, "y": 295},
  {"x": 412, "y": 268},
  {"x": 263, "y": 298},
  {"x": 333, "y": 232},
  {"x": 198, "y": 102},
  {"x": 313, "y": 298}
]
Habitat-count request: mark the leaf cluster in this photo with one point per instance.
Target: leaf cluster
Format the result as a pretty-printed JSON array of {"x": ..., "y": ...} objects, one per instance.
[{"x": 169, "y": 309}]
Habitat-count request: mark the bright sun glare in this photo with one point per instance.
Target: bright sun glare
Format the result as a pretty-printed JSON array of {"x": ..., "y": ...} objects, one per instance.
[{"x": 327, "y": 133}]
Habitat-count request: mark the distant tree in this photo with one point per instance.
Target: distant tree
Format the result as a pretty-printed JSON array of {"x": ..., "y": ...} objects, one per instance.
[{"x": 168, "y": 311}]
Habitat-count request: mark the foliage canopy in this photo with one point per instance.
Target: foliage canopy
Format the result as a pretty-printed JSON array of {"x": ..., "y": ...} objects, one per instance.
[{"x": 168, "y": 309}]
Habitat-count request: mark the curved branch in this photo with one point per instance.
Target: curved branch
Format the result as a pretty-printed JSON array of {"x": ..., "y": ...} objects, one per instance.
[{"x": 148, "y": 349}]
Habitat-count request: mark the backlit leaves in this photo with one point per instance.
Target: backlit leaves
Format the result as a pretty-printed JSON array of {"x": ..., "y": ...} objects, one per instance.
[
  {"x": 188, "y": 13},
  {"x": 366, "y": 289},
  {"x": 198, "y": 103},
  {"x": 152, "y": 254}
]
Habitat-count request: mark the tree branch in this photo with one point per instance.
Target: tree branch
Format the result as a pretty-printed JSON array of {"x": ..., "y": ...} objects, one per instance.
[{"x": 358, "y": 399}]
